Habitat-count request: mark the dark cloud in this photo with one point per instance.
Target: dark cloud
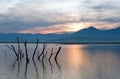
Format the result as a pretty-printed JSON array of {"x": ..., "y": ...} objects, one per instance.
[
  {"x": 8, "y": 24},
  {"x": 14, "y": 26},
  {"x": 101, "y": 18},
  {"x": 111, "y": 19},
  {"x": 105, "y": 6}
]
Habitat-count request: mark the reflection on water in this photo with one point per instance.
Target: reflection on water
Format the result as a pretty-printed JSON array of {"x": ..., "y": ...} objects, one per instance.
[
  {"x": 75, "y": 56},
  {"x": 74, "y": 62}
]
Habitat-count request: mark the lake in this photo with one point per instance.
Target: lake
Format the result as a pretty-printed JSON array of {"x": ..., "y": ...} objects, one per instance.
[{"x": 74, "y": 61}]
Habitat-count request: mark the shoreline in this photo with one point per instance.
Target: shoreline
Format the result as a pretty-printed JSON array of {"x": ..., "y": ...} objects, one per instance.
[{"x": 69, "y": 42}]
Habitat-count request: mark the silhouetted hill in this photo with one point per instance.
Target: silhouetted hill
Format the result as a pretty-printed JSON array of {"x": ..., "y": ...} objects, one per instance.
[
  {"x": 89, "y": 34},
  {"x": 90, "y": 31},
  {"x": 92, "y": 34}
]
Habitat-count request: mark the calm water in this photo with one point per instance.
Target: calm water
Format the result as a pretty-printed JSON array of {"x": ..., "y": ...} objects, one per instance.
[{"x": 81, "y": 61}]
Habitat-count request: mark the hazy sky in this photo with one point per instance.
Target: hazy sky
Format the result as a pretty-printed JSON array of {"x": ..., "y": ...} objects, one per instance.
[{"x": 56, "y": 16}]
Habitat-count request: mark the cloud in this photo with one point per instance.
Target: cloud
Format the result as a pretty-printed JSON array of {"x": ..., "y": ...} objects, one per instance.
[
  {"x": 16, "y": 26},
  {"x": 59, "y": 28},
  {"x": 46, "y": 11},
  {"x": 105, "y": 6},
  {"x": 51, "y": 29},
  {"x": 24, "y": 15},
  {"x": 34, "y": 15},
  {"x": 114, "y": 19},
  {"x": 101, "y": 18}
]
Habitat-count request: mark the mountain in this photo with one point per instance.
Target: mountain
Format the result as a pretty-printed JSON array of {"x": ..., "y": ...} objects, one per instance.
[
  {"x": 90, "y": 34},
  {"x": 90, "y": 31}
]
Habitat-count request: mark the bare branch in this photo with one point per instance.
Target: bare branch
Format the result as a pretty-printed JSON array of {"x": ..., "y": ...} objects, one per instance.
[
  {"x": 25, "y": 44},
  {"x": 42, "y": 53},
  {"x": 13, "y": 48},
  {"x": 51, "y": 54},
  {"x": 57, "y": 53},
  {"x": 35, "y": 48}
]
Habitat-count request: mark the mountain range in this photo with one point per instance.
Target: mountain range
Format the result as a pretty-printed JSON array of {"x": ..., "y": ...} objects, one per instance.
[{"x": 86, "y": 35}]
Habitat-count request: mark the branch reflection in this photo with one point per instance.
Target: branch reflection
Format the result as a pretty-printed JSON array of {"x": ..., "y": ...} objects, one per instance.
[
  {"x": 26, "y": 68},
  {"x": 36, "y": 68}
]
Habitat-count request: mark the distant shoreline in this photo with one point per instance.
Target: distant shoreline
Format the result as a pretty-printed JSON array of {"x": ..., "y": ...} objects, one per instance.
[{"x": 70, "y": 42}]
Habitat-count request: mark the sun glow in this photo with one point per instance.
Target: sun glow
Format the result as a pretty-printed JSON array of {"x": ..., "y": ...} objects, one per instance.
[
  {"x": 76, "y": 26},
  {"x": 60, "y": 28},
  {"x": 75, "y": 55}
]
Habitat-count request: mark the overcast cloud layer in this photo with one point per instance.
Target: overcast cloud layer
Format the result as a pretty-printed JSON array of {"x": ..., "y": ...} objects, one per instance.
[{"x": 48, "y": 16}]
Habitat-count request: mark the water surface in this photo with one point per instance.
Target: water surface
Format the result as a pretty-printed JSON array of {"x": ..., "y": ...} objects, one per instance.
[{"x": 80, "y": 61}]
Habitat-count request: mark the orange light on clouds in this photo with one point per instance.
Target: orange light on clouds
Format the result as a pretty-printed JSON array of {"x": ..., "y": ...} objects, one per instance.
[
  {"x": 68, "y": 27},
  {"x": 76, "y": 26},
  {"x": 60, "y": 28}
]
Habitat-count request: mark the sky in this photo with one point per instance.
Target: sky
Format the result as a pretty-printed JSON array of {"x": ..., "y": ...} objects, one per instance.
[{"x": 57, "y": 16}]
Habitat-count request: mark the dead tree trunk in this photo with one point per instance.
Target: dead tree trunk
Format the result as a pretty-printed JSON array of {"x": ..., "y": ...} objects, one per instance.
[
  {"x": 51, "y": 54},
  {"x": 25, "y": 44},
  {"x": 35, "y": 48},
  {"x": 57, "y": 53},
  {"x": 19, "y": 50},
  {"x": 42, "y": 53}
]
